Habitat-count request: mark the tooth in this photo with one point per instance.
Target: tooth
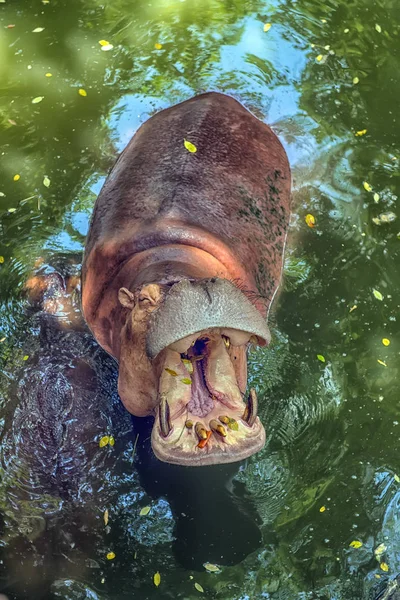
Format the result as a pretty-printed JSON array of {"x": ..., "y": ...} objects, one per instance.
[
  {"x": 250, "y": 412},
  {"x": 224, "y": 419},
  {"x": 227, "y": 341},
  {"x": 217, "y": 427},
  {"x": 165, "y": 420},
  {"x": 201, "y": 431}
]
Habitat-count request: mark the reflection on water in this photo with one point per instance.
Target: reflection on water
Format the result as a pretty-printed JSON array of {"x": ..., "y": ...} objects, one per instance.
[{"x": 325, "y": 75}]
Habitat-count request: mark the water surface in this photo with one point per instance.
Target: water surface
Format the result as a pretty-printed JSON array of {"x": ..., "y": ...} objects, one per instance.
[{"x": 325, "y": 75}]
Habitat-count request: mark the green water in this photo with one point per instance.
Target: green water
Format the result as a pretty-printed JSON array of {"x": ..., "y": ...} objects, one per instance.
[{"x": 326, "y": 77}]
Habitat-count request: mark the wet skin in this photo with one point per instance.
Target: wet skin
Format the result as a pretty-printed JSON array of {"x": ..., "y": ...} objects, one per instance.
[
  {"x": 64, "y": 402},
  {"x": 183, "y": 259}
]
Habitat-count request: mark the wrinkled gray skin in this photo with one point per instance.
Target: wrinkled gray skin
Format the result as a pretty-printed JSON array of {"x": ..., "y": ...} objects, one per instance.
[{"x": 214, "y": 303}]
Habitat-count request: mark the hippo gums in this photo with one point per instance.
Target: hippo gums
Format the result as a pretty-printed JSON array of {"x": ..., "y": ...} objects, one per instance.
[{"x": 182, "y": 261}]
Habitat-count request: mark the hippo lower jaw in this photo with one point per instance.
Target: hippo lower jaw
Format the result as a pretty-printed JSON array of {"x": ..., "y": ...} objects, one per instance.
[{"x": 201, "y": 418}]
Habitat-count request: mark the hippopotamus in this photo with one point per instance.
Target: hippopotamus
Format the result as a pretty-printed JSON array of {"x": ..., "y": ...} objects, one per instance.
[{"x": 182, "y": 261}]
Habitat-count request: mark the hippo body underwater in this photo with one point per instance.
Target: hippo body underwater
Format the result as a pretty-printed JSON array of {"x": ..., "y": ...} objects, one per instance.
[{"x": 182, "y": 261}]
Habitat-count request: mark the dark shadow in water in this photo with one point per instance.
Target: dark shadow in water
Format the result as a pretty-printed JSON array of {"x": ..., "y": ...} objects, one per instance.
[{"x": 213, "y": 522}]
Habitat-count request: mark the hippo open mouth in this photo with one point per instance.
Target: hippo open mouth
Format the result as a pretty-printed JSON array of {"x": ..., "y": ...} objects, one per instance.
[{"x": 202, "y": 417}]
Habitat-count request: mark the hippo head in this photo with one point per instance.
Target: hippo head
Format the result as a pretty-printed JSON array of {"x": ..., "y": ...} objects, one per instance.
[{"x": 183, "y": 358}]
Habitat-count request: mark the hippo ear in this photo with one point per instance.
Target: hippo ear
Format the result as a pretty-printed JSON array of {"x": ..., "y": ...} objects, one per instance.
[{"x": 126, "y": 298}]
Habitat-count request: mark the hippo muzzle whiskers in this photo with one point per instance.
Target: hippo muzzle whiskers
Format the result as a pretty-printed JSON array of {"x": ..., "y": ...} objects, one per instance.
[{"x": 182, "y": 261}]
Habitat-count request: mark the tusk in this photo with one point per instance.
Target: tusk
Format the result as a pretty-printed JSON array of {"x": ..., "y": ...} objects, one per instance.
[
  {"x": 217, "y": 428},
  {"x": 165, "y": 420},
  {"x": 250, "y": 412}
]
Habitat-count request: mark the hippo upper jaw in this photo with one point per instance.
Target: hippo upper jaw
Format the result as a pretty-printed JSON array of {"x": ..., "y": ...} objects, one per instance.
[{"x": 202, "y": 418}]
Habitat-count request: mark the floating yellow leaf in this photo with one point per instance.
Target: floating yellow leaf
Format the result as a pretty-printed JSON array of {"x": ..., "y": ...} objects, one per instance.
[
  {"x": 186, "y": 381},
  {"x": 16, "y": 177},
  {"x": 105, "y": 517},
  {"x": 110, "y": 555},
  {"x": 379, "y": 551},
  {"x": 82, "y": 92},
  {"x": 384, "y": 566},
  {"x": 188, "y": 364},
  {"x": 320, "y": 57},
  {"x": 26, "y": 357},
  {"x": 388, "y": 217},
  {"x": 104, "y": 441},
  {"x": 310, "y": 220},
  {"x": 353, "y": 308},
  {"x": 355, "y": 544},
  {"x": 321, "y": 357},
  {"x": 2, "y": 339},
  {"x": 377, "y": 294},
  {"x": 367, "y": 186},
  {"x": 171, "y": 372},
  {"x": 12, "y": 210},
  {"x": 323, "y": 20},
  {"x": 356, "y": 80},
  {"x": 376, "y": 197},
  {"x": 157, "y": 46},
  {"x": 1, "y": 260},
  {"x": 199, "y": 588},
  {"x": 346, "y": 30},
  {"x": 396, "y": 477},
  {"x": 211, "y": 568},
  {"x": 378, "y": 28},
  {"x": 48, "y": 74},
  {"x": 267, "y": 26},
  {"x": 232, "y": 424},
  {"x": 322, "y": 509},
  {"x": 111, "y": 441},
  {"x": 46, "y": 181},
  {"x": 107, "y": 47},
  {"x": 382, "y": 362},
  {"x": 145, "y": 511},
  {"x": 103, "y": 42},
  {"x": 103, "y": 580},
  {"x": 377, "y": 576},
  {"x": 385, "y": 341},
  {"x": 157, "y": 579},
  {"x": 38, "y": 30},
  {"x": 361, "y": 132},
  {"x": 37, "y": 99},
  {"x": 189, "y": 146}
]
